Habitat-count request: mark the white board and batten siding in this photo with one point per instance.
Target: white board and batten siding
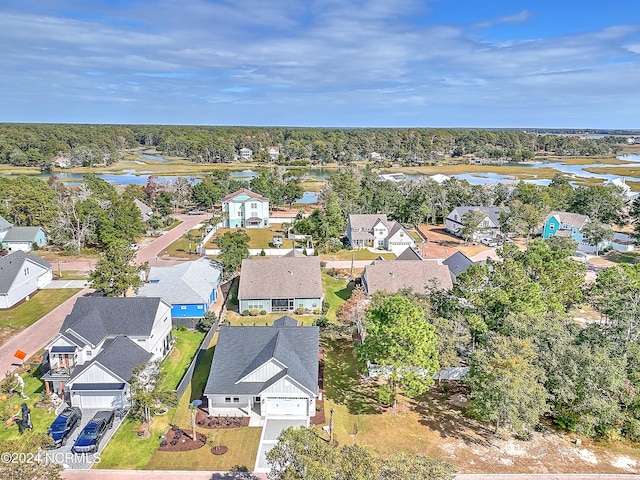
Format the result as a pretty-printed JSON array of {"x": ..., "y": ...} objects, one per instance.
[
  {"x": 154, "y": 343},
  {"x": 264, "y": 372},
  {"x": 96, "y": 373}
]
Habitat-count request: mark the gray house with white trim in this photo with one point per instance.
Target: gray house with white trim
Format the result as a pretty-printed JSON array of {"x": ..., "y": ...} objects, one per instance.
[
  {"x": 21, "y": 275},
  {"x": 265, "y": 371}
]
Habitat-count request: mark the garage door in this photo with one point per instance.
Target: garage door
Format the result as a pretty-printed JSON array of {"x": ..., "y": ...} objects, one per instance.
[
  {"x": 287, "y": 406},
  {"x": 96, "y": 400}
]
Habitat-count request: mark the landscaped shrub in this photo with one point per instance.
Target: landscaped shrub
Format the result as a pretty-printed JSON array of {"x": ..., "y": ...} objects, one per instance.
[
  {"x": 254, "y": 312},
  {"x": 246, "y": 313},
  {"x": 321, "y": 322},
  {"x": 299, "y": 311},
  {"x": 325, "y": 306},
  {"x": 206, "y": 322},
  {"x": 385, "y": 395},
  {"x": 262, "y": 253},
  {"x": 263, "y": 312}
]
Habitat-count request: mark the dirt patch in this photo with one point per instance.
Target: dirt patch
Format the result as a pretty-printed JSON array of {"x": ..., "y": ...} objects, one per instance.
[
  {"x": 442, "y": 244},
  {"x": 625, "y": 463},
  {"x": 179, "y": 440}
]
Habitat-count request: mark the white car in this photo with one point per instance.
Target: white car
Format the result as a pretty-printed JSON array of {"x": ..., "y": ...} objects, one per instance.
[
  {"x": 489, "y": 242},
  {"x": 135, "y": 247}
]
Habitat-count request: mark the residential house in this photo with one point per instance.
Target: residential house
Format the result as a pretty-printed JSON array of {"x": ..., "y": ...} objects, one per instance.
[
  {"x": 489, "y": 226},
  {"x": 458, "y": 263},
  {"x": 565, "y": 224},
  {"x": 5, "y": 226},
  {"x": 439, "y": 178},
  {"x": 243, "y": 208},
  {"x": 408, "y": 254},
  {"x": 146, "y": 212},
  {"x": 376, "y": 157},
  {"x": 274, "y": 152},
  {"x": 623, "y": 242},
  {"x": 393, "y": 177},
  {"x": 418, "y": 275},
  {"x": 246, "y": 153},
  {"x": 283, "y": 284},
  {"x": 374, "y": 230},
  {"x": 100, "y": 343},
  {"x": 622, "y": 185},
  {"x": 24, "y": 238},
  {"x": 21, "y": 275},
  {"x": 190, "y": 287},
  {"x": 265, "y": 371}
]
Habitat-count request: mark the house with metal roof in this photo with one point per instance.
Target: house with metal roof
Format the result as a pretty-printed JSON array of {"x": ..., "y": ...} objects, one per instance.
[
  {"x": 244, "y": 208},
  {"x": 282, "y": 284},
  {"x": 21, "y": 275},
  {"x": 100, "y": 343},
  {"x": 376, "y": 231},
  {"x": 265, "y": 371},
  {"x": 24, "y": 238},
  {"x": 190, "y": 287}
]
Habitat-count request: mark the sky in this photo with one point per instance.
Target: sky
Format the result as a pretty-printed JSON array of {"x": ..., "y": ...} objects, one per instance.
[{"x": 333, "y": 63}]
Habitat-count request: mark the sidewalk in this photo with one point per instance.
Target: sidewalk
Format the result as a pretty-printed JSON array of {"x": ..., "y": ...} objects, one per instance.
[
  {"x": 35, "y": 337},
  {"x": 157, "y": 474}
]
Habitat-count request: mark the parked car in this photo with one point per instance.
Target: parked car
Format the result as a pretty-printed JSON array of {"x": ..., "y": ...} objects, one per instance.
[
  {"x": 89, "y": 439},
  {"x": 63, "y": 425},
  {"x": 196, "y": 212},
  {"x": 135, "y": 247},
  {"x": 489, "y": 242}
]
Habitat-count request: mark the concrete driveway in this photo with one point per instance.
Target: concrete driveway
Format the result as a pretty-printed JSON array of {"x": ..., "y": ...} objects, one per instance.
[{"x": 66, "y": 284}]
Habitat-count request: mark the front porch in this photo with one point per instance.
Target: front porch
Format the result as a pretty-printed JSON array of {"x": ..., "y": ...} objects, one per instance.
[{"x": 252, "y": 412}]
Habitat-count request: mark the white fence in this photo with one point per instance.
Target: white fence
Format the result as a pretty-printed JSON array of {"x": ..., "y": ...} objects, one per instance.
[{"x": 271, "y": 252}]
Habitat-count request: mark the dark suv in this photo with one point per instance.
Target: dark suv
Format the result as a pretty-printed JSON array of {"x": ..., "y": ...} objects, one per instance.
[
  {"x": 89, "y": 439},
  {"x": 63, "y": 425}
]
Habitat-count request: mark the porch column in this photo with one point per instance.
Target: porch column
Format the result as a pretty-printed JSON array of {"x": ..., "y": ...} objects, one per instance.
[{"x": 46, "y": 388}]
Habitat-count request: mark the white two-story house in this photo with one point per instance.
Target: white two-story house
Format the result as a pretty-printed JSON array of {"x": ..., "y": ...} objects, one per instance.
[
  {"x": 488, "y": 227},
  {"x": 99, "y": 345},
  {"x": 246, "y": 209},
  {"x": 374, "y": 230},
  {"x": 21, "y": 275}
]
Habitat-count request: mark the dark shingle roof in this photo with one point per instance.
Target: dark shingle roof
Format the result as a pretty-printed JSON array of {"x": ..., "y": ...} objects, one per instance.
[
  {"x": 241, "y": 350},
  {"x": 94, "y": 318},
  {"x": 458, "y": 263},
  {"x": 11, "y": 265},
  {"x": 119, "y": 355},
  {"x": 409, "y": 254},
  {"x": 4, "y": 223},
  {"x": 285, "y": 321}
]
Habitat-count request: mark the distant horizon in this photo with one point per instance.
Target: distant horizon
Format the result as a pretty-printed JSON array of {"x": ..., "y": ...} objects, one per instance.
[
  {"x": 322, "y": 63},
  {"x": 587, "y": 130}
]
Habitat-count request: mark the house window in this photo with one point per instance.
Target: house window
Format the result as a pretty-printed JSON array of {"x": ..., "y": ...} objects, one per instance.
[
  {"x": 89, "y": 353},
  {"x": 239, "y": 213},
  {"x": 314, "y": 305},
  {"x": 485, "y": 223},
  {"x": 257, "y": 305},
  {"x": 227, "y": 399},
  {"x": 200, "y": 307},
  {"x": 552, "y": 227},
  {"x": 236, "y": 400},
  {"x": 254, "y": 214},
  {"x": 183, "y": 307},
  {"x": 254, "y": 205},
  {"x": 26, "y": 271},
  {"x": 257, "y": 400}
]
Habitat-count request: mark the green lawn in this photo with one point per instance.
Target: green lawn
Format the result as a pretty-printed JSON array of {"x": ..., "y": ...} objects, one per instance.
[
  {"x": 623, "y": 257},
  {"x": 41, "y": 418},
  {"x": 416, "y": 236},
  {"x": 18, "y": 318},
  {"x": 178, "y": 360},
  {"x": 71, "y": 275},
  {"x": 336, "y": 291},
  {"x": 180, "y": 248},
  {"x": 356, "y": 255},
  {"x": 258, "y": 237},
  {"x": 262, "y": 320}
]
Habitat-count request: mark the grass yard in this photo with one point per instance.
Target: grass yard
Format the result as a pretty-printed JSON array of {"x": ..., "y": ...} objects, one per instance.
[
  {"x": 356, "y": 255},
  {"x": 180, "y": 357},
  {"x": 125, "y": 451},
  {"x": 180, "y": 248},
  {"x": 262, "y": 320},
  {"x": 258, "y": 237},
  {"x": 27, "y": 313},
  {"x": 336, "y": 291},
  {"x": 41, "y": 418},
  {"x": 623, "y": 257},
  {"x": 416, "y": 236}
]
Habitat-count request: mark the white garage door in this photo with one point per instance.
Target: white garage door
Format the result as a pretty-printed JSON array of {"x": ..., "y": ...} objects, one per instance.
[
  {"x": 287, "y": 406},
  {"x": 96, "y": 400}
]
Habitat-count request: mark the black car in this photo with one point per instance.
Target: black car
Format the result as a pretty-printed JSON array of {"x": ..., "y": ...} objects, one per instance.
[
  {"x": 89, "y": 439},
  {"x": 63, "y": 425}
]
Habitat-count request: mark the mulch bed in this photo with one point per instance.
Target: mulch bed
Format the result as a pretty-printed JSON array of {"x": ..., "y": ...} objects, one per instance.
[
  {"x": 204, "y": 421},
  {"x": 179, "y": 440},
  {"x": 221, "y": 450}
]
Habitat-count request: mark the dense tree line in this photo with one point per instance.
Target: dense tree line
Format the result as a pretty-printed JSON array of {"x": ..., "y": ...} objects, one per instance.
[{"x": 86, "y": 145}]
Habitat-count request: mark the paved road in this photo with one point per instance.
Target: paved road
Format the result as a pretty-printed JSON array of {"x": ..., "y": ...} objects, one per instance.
[{"x": 33, "y": 338}]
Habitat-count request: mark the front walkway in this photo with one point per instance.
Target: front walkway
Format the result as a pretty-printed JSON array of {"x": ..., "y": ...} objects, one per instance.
[{"x": 273, "y": 427}]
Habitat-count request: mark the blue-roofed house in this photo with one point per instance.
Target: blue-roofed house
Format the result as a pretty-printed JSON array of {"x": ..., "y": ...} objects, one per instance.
[
  {"x": 99, "y": 344},
  {"x": 190, "y": 287}
]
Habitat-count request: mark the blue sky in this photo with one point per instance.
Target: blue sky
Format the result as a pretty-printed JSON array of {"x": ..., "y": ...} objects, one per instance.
[{"x": 423, "y": 63}]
